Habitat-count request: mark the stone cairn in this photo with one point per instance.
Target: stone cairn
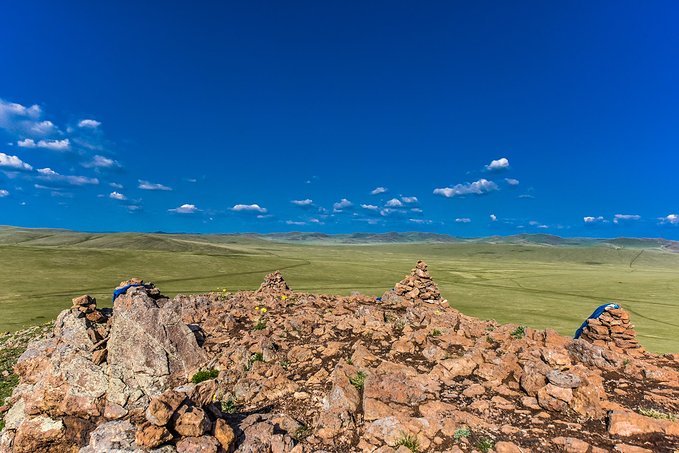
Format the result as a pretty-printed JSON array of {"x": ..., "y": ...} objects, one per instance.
[
  {"x": 274, "y": 283},
  {"x": 97, "y": 326},
  {"x": 612, "y": 329},
  {"x": 418, "y": 286}
]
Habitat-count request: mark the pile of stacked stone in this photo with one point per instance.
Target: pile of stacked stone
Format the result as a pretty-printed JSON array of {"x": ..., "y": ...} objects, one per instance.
[
  {"x": 418, "y": 286},
  {"x": 188, "y": 417},
  {"x": 274, "y": 283},
  {"x": 613, "y": 330},
  {"x": 97, "y": 325}
]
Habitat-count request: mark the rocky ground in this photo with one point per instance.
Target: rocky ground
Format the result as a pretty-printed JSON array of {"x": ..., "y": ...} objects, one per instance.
[{"x": 280, "y": 371}]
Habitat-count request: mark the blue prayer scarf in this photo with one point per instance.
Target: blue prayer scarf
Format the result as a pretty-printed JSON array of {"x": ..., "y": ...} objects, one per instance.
[{"x": 598, "y": 312}]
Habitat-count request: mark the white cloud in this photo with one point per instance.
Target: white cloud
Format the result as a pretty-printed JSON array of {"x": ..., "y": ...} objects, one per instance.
[
  {"x": 512, "y": 181},
  {"x": 474, "y": 188},
  {"x": 4, "y": 193},
  {"x": 493, "y": 218},
  {"x": 317, "y": 221},
  {"x": 101, "y": 162},
  {"x": 43, "y": 128},
  {"x": 249, "y": 208},
  {"x": 672, "y": 219},
  {"x": 14, "y": 109},
  {"x": 420, "y": 221},
  {"x": 89, "y": 123},
  {"x": 294, "y": 222},
  {"x": 305, "y": 202},
  {"x": 54, "y": 145},
  {"x": 370, "y": 207},
  {"x": 378, "y": 190},
  {"x": 185, "y": 209},
  {"x": 47, "y": 174},
  {"x": 618, "y": 217},
  {"x": 499, "y": 164},
  {"x": 342, "y": 204},
  {"x": 117, "y": 196},
  {"x": 13, "y": 162},
  {"x": 409, "y": 200},
  {"x": 115, "y": 185},
  {"x": 463, "y": 220},
  {"x": 591, "y": 219},
  {"x": 47, "y": 171},
  {"x": 394, "y": 203},
  {"x": 145, "y": 185},
  {"x": 416, "y": 210}
]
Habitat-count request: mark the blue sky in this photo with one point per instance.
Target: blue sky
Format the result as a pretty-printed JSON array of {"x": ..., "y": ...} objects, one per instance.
[{"x": 476, "y": 118}]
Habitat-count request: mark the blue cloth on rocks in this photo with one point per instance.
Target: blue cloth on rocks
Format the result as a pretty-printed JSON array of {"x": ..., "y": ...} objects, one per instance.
[
  {"x": 123, "y": 290},
  {"x": 598, "y": 312}
]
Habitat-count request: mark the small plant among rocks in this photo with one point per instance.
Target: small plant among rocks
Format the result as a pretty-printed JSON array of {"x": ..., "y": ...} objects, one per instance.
[
  {"x": 519, "y": 332},
  {"x": 260, "y": 324},
  {"x": 398, "y": 326},
  {"x": 485, "y": 444},
  {"x": 653, "y": 413},
  {"x": 229, "y": 406},
  {"x": 461, "y": 433},
  {"x": 436, "y": 333},
  {"x": 301, "y": 433},
  {"x": 256, "y": 357},
  {"x": 410, "y": 442},
  {"x": 358, "y": 380},
  {"x": 204, "y": 375}
]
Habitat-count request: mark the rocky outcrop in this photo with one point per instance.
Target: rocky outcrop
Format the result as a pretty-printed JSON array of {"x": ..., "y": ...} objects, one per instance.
[
  {"x": 150, "y": 349},
  {"x": 613, "y": 330},
  {"x": 274, "y": 370}
]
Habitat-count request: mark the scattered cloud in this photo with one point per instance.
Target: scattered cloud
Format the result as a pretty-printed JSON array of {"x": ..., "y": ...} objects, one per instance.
[
  {"x": 370, "y": 207},
  {"x": 592, "y": 219},
  {"x": 305, "y": 202},
  {"x": 378, "y": 190},
  {"x": 115, "y": 185},
  {"x": 409, "y": 200},
  {"x": 4, "y": 193},
  {"x": 394, "y": 203},
  {"x": 49, "y": 175},
  {"x": 420, "y": 221},
  {"x": 185, "y": 209},
  {"x": 101, "y": 162},
  {"x": 525, "y": 195},
  {"x": 463, "y": 220},
  {"x": 672, "y": 219},
  {"x": 512, "y": 181},
  {"x": 295, "y": 222},
  {"x": 89, "y": 123},
  {"x": 341, "y": 205},
  {"x": 493, "y": 218},
  {"x": 249, "y": 208},
  {"x": 54, "y": 145},
  {"x": 146, "y": 185},
  {"x": 117, "y": 196},
  {"x": 623, "y": 217},
  {"x": 499, "y": 164},
  {"x": 479, "y": 187},
  {"x": 418, "y": 210},
  {"x": 13, "y": 162}
]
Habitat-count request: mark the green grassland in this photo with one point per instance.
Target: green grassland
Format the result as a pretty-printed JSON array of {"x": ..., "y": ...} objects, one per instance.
[{"x": 534, "y": 281}]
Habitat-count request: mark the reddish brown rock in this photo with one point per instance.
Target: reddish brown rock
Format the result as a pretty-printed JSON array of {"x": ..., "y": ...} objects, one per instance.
[{"x": 151, "y": 436}]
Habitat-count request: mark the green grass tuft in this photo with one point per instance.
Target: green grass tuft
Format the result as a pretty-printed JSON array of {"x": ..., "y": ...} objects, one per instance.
[
  {"x": 204, "y": 375},
  {"x": 358, "y": 380},
  {"x": 409, "y": 441}
]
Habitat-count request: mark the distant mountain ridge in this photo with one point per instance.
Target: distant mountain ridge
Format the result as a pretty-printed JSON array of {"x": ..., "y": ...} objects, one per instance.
[{"x": 10, "y": 235}]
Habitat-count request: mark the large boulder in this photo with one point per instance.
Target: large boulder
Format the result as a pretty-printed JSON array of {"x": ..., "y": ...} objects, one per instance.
[{"x": 150, "y": 349}]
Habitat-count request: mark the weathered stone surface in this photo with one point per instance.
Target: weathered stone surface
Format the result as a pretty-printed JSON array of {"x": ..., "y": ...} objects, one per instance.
[
  {"x": 192, "y": 423},
  {"x": 150, "y": 349},
  {"x": 628, "y": 423},
  {"x": 151, "y": 436},
  {"x": 162, "y": 407}
]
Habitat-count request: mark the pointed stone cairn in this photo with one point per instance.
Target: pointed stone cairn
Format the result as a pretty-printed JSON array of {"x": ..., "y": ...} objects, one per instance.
[
  {"x": 418, "y": 286},
  {"x": 96, "y": 323},
  {"x": 274, "y": 283},
  {"x": 612, "y": 329}
]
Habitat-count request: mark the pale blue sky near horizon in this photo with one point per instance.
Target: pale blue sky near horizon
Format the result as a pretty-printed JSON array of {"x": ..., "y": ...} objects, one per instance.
[{"x": 470, "y": 119}]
